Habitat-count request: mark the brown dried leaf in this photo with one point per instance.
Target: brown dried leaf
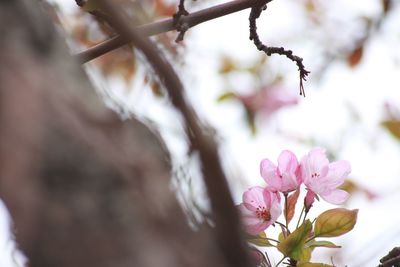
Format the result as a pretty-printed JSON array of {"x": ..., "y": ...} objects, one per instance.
[
  {"x": 355, "y": 56},
  {"x": 291, "y": 205},
  {"x": 386, "y": 5},
  {"x": 393, "y": 126}
]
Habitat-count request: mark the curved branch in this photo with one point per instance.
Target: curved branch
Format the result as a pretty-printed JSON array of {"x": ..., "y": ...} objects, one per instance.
[
  {"x": 227, "y": 223},
  {"x": 166, "y": 25},
  {"x": 255, "y": 13}
]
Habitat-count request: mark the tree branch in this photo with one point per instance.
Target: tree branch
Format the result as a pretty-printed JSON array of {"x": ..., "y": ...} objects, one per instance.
[
  {"x": 84, "y": 187},
  {"x": 166, "y": 25},
  {"x": 179, "y": 24},
  {"x": 255, "y": 13},
  {"x": 391, "y": 259},
  {"x": 227, "y": 223}
]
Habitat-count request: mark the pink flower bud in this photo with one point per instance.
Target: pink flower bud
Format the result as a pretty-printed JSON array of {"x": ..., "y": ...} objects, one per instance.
[{"x": 309, "y": 200}]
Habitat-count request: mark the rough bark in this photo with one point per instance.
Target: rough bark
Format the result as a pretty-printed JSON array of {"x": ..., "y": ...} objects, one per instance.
[{"x": 83, "y": 187}]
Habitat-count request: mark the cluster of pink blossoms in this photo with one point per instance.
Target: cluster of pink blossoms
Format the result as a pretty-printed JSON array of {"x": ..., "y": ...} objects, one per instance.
[{"x": 261, "y": 206}]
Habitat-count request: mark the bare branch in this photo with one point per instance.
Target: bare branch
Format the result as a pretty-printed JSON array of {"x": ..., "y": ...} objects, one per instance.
[
  {"x": 391, "y": 259},
  {"x": 255, "y": 13},
  {"x": 178, "y": 22},
  {"x": 190, "y": 21}
]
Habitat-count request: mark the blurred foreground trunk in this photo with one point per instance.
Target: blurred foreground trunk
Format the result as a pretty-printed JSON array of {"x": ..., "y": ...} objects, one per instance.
[{"x": 83, "y": 187}]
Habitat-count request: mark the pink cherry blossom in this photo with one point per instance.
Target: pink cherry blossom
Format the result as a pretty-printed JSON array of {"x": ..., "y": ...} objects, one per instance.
[
  {"x": 324, "y": 178},
  {"x": 269, "y": 100},
  {"x": 260, "y": 209},
  {"x": 284, "y": 178}
]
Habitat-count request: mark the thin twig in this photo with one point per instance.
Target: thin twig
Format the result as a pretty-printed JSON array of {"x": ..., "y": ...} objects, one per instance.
[
  {"x": 301, "y": 214},
  {"x": 255, "y": 13},
  {"x": 154, "y": 28},
  {"x": 227, "y": 224}
]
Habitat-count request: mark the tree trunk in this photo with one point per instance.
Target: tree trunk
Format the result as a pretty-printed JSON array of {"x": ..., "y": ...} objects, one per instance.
[{"x": 83, "y": 187}]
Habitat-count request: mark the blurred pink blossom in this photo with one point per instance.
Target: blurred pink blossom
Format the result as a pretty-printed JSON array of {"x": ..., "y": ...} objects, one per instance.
[
  {"x": 324, "y": 178},
  {"x": 284, "y": 178},
  {"x": 391, "y": 110},
  {"x": 268, "y": 100},
  {"x": 260, "y": 208}
]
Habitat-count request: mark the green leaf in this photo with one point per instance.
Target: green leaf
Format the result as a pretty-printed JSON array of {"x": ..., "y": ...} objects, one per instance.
[
  {"x": 305, "y": 254},
  {"x": 322, "y": 243},
  {"x": 312, "y": 264},
  {"x": 281, "y": 237},
  {"x": 294, "y": 245},
  {"x": 335, "y": 222},
  {"x": 226, "y": 96},
  {"x": 259, "y": 240}
]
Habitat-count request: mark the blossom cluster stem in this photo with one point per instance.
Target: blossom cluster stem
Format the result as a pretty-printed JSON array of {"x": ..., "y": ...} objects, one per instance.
[
  {"x": 281, "y": 224},
  {"x": 271, "y": 239},
  {"x": 286, "y": 210},
  {"x": 268, "y": 260},
  {"x": 305, "y": 216},
  {"x": 301, "y": 214},
  {"x": 279, "y": 262}
]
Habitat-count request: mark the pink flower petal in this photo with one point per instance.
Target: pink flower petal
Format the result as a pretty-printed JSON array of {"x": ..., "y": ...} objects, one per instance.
[
  {"x": 268, "y": 171},
  {"x": 338, "y": 171},
  {"x": 252, "y": 224},
  {"x": 287, "y": 162},
  {"x": 276, "y": 211},
  {"x": 275, "y": 195},
  {"x": 336, "y": 197},
  {"x": 269, "y": 196},
  {"x": 315, "y": 162},
  {"x": 253, "y": 198},
  {"x": 290, "y": 182}
]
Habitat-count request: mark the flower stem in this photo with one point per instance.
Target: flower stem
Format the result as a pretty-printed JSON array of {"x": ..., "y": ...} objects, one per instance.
[
  {"x": 305, "y": 215},
  {"x": 286, "y": 210},
  {"x": 281, "y": 224},
  {"x": 301, "y": 214},
  {"x": 285, "y": 230},
  {"x": 271, "y": 239},
  {"x": 268, "y": 260},
  {"x": 284, "y": 257}
]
